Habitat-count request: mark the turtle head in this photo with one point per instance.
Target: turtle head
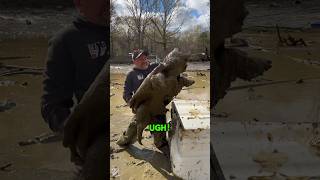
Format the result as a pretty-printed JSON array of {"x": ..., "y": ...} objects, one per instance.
[{"x": 175, "y": 62}]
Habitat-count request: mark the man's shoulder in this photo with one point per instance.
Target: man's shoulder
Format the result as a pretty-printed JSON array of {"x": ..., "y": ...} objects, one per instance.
[
  {"x": 131, "y": 73},
  {"x": 65, "y": 34}
]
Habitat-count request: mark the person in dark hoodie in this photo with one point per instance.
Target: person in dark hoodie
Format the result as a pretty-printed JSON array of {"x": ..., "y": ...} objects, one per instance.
[
  {"x": 141, "y": 68},
  {"x": 76, "y": 54}
]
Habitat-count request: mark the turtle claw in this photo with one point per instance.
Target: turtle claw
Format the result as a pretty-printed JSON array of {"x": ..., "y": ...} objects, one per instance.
[{"x": 139, "y": 135}]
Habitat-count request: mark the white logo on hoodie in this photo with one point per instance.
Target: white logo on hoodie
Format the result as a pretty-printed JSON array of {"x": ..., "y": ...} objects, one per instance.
[{"x": 97, "y": 49}]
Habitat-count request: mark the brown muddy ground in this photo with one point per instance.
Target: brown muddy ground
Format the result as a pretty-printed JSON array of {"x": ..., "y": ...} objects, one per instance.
[
  {"x": 145, "y": 162},
  {"x": 23, "y": 122}
]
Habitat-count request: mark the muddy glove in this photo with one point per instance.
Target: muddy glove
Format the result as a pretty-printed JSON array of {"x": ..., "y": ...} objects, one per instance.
[{"x": 89, "y": 118}]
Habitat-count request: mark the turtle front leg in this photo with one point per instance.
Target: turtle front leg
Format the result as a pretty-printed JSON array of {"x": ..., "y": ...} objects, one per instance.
[{"x": 143, "y": 118}]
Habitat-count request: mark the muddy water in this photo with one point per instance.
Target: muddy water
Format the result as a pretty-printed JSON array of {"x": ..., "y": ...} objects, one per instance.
[
  {"x": 39, "y": 161},
  {"x": 145, "y": 162}
]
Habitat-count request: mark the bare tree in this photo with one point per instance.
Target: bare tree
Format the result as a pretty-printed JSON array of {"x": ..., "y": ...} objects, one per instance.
[
  {"x": 141, "y": 12},
  {"x": 164, "y": 22}
]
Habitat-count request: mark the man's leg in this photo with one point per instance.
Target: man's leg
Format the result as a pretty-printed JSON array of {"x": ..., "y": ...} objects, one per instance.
[{"x": 130, "y": 135}]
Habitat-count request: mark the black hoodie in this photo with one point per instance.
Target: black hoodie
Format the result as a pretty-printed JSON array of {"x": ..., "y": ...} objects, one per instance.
[{"x": 76, "y": 55}]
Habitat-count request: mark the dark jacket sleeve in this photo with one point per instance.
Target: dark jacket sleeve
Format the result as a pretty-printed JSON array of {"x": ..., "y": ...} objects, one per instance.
[
  {"x": 58, "y": 84},
  {"x": 128, "y": 88},
  {"x": 153, "y": 66}
]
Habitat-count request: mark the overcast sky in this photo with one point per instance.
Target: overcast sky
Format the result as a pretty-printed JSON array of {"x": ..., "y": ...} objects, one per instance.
[{"x": 197, "y": 12}]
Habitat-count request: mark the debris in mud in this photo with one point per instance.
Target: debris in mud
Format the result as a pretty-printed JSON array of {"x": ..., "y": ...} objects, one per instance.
[
  {"x": 16, "y": 67},
  {"x": 6, "y": 105},
  {"x": 8, "y": 70},
  {"x": 7, "y": 83},
  {"x": 116, "y": 84},
  {"x": 201, "y": 74},
  {"x": 140, "y": 163},
  {"x": 260, "y": 79},
  {"x": 115, "y": 172},
  {"x": 115, "y": 150},
  {"x": 315, "y": 143},
  {"x": 122, "y": 105},
  {"x": 270, "y": 137},
  {"x": 28, "y": 22},
  {"x": 112, "y": 94},
  {"x": 114, "y": 137},
  {"x": 5, "y": 167},
  {"x": 270, "y": 162},
  {"x": 289, "y": 41},
  {"x": 13, "y": 57},
  {"x": 112, "y": 156},
  {"x": 148, "y": 173},
  {"x": 131, "y": 163},
  {"x": 24, "y": 84},
  {"x": 300, "y": 81},
  {"x": 220, "y": 115},
  {"x": 15, "y": 72},
  {"x": 43, "y": 138},
  {"x": 252, "y": 95}
]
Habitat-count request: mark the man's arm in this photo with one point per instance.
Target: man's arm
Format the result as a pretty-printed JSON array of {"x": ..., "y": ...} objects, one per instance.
[
  {"x": 128, "y": 88},
  {"x": 58, "y": 84}
]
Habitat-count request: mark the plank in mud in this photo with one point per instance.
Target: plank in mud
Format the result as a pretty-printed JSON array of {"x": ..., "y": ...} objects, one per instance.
[{"x": 42, "y": 139}]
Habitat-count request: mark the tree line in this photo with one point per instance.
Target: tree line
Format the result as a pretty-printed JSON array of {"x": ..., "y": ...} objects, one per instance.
[{"x": 155, "y": 25}]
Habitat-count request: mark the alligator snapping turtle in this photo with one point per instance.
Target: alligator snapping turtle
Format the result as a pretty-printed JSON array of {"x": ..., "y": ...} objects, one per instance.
[
  {"x": 158, "y": 89},
  {"x": 85, "y": 131},
  {"x": 230, "y": 63}
]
